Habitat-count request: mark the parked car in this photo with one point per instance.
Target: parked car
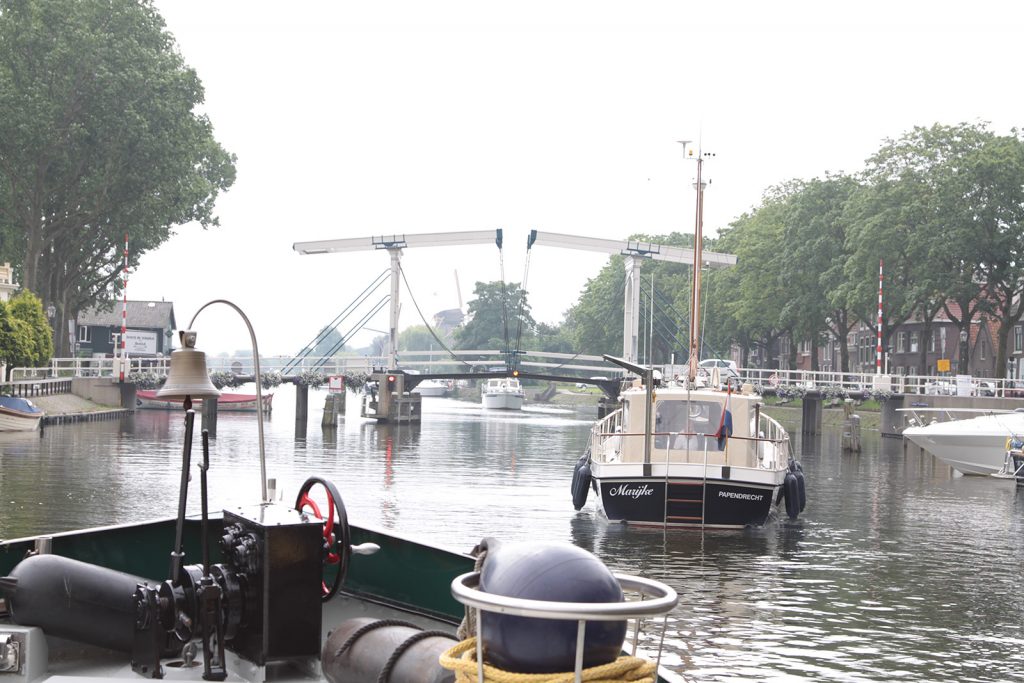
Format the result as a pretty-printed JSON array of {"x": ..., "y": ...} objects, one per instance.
[{"x": 718, "y": 363}]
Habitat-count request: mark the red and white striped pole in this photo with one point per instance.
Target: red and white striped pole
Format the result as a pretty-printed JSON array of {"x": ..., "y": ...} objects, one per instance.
[
  {"x": 878, "y": 346},
  {"x": 124, "y": 308}
]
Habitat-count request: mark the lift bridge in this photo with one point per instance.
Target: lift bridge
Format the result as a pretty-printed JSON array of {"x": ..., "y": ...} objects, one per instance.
[{"x": 591, "y": 369}]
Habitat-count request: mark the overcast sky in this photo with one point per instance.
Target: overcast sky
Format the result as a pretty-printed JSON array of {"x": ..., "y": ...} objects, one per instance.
[{"x": 372, "y": 118}]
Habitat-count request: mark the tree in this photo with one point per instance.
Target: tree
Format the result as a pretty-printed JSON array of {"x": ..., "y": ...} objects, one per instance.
[
  {"x": 499, "y": 317},
  {"x": 816, "y": 226},
  {"x": 27, "y": 307},
  {"x": 99, "y": 138},
  {"x": 417, "y": 338}
]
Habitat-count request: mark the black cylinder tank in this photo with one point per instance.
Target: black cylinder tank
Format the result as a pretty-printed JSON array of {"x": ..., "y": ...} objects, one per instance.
[
  {"x": 358, "y": 649},
  {"x": 74, "y": 600}
]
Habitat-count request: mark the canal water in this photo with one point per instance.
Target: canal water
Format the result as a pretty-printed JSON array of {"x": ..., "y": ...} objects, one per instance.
[{"x": 899, "y": 569}]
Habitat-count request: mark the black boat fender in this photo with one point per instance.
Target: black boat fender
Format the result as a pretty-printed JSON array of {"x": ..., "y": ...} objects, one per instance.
[
  {"x": 367, "y": 650},
  {"x": 792, "y": 489},
  {"x": 800, "y": 484},
  {"x": 581, "y": 479}
]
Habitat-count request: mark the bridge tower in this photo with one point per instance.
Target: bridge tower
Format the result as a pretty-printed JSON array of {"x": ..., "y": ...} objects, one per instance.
[
  {"x": 636, "y": 253},
  {"x": 394, "y": 244}
]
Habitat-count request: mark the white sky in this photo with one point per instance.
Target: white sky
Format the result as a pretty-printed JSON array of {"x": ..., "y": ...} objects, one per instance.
[{"x": 372, "y": 118}]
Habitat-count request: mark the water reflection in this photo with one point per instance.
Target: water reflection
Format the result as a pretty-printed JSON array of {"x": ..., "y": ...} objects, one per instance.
[{"x": 899, "y": 568}]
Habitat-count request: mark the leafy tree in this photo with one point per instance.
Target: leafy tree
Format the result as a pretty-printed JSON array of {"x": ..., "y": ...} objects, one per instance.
[
  {"x": 417, "y": 338},
  {"x": 99, "y": 138},
  {"x": 16, "y": 343},
  {"x": 815, "y": 241},
  {"x": 27, "y": 307},
  {"x": 330, "y": 343},
  {"x": 590, "y": 323},
  {"x": 498, "y": 317}
]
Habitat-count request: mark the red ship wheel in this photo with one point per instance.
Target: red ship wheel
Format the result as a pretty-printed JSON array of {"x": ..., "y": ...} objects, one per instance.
[{"x": 337, "y": 544}]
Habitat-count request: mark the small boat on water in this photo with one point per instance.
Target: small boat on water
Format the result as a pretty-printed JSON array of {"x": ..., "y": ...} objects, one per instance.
[
  {"x": 19, "y": 414},
  {"x": 707, "y": 457},
  {"x": 974, "y": 445},
  {"x": 230, "y": 403},
  {"x": 689, "y": 451},
  {"x": 431, "y": 387},
  {"x": 502, "y": 393}
]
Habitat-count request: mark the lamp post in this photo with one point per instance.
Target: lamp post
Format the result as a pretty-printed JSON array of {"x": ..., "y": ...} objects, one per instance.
[{"x": 963, "y": 353}]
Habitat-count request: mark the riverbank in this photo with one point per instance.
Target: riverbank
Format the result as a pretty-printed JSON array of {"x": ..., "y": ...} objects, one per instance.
[{"x": 69, "y": 404}]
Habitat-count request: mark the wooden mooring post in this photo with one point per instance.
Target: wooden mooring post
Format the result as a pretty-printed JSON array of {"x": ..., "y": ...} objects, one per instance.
[{"x": 851, "y": 428}]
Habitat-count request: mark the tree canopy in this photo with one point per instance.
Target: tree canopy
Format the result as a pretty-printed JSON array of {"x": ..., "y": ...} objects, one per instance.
[
  {"x": 100, "y": 137},
  {"x": 26, "y": 339}
]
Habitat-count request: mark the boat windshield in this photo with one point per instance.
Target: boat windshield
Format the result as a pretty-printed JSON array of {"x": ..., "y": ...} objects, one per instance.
[{"x": 692, "y": 419}]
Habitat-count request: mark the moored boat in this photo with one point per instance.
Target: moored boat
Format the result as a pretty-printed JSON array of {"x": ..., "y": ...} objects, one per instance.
[
  {"x": 502, "y": 393},
  {"x": 19, "y": 414},
  {"x": 974, "y": 446},
  {"x": 707, "y": 457},
  {"x": 689, "y": 451},
  {"x": 232, "y": 403}
]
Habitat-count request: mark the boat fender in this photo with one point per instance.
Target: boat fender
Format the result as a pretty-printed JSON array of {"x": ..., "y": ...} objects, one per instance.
[
  {"x": 797, "y": 469},
  {"x": 581, "y": 480},
  {"x": 792, "y": 495},
  {"x": 367, "y": 650},
  {"x": 549, "y": 571},
  {"x": 74, "y": 600},
  {"x": 583, "y": 460}
]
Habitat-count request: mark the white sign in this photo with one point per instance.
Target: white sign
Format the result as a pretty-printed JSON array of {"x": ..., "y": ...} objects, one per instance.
[{"x": 140, "y": 341}]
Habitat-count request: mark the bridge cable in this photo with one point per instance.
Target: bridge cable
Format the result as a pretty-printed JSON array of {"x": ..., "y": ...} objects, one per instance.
[
  {"x": 347, "y": 311},
  {"x": 426, "y": 324}
]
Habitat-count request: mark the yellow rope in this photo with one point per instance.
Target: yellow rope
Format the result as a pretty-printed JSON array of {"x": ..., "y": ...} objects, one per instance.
[{"x": 462, "y": 660}]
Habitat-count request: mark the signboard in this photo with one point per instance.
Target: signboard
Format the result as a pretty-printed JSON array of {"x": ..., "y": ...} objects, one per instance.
[
  {"x": 942, "y": 365},
  {"x": 140, "y": 341}
]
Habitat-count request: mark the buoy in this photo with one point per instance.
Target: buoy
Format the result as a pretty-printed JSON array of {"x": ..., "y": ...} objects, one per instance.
[
  {"x": 792, "y": 488},
  {"x": 581, "y": 478},
  {"x": 555, "y": 572}
]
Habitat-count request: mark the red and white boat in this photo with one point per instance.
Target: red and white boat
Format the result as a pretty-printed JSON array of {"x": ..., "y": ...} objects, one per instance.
[{"x": 146, "y": 399}]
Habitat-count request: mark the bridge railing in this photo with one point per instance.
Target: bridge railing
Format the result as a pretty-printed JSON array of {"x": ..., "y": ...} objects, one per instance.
[{"x": 943, "y": 385}]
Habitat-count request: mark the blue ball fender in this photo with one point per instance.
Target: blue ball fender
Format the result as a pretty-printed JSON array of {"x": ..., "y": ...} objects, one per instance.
[{"x": 555, "y": 572}]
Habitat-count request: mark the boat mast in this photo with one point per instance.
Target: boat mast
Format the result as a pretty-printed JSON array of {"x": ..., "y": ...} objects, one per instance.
[{"x": 698, "y": 245}]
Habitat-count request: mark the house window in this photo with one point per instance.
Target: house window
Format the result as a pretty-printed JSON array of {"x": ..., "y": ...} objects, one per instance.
[
  {"x": 901, "y": 342},
  {"x": 913, "y": 341},
  {"x": 1018, "y": 338},
  {"x": 85, "y": 334},
  {"x": 981, "y": 350},
  {"x": 931, "y": 342}
]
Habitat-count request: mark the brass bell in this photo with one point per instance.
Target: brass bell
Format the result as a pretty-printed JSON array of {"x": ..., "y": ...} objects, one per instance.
[{"x": 188, "y": 376}]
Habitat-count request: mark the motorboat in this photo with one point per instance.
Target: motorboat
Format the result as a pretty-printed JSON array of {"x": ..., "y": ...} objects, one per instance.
[
  {"x": 972, "y": 445},
  {"x": 19, "y": 414},
  {"x": 689, "y": 451},
  {"x": 502, "y": 393},
  {"x": 146, "y": 399},
  {"x": 708, "y": 457},
  {"x": 431, "y": 387}
]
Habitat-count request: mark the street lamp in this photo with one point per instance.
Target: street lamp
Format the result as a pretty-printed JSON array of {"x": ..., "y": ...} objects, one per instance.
[{"x": 888, "y": 358}]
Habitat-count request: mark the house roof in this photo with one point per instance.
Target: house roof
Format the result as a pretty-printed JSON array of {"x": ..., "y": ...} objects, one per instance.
[{"x": 141, "y": 314}]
